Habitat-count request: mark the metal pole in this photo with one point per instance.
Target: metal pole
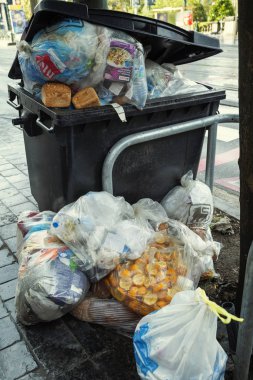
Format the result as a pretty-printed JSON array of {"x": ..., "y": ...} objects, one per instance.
[
  {"x": 138, "y": 138},
  {"x": 97, "y": 4},
  {"x": 245, "y": 333},
  {"x": 210, "y": 155}
]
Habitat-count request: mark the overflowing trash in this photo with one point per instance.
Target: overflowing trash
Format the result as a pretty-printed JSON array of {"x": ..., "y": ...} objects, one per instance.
[
  {"x": 179, "y": 341},
  {"x": 102, "y": 231},
  {"x": 150, "y": 282},
  {"x": 132, "y": 268},
  {"x": 49, "y": 281},
  {"x": 97, "y": 66},
  {"x": 166, "y": 80},
  {"x": 80, "y": 55},
  {"x": 106, "y": 312}
]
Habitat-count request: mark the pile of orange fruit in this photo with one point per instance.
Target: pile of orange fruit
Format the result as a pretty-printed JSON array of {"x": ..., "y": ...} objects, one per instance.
[{"x": 150, "y": 282}]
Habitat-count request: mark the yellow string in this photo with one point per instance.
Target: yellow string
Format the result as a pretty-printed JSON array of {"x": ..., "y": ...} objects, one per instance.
[{"x": 218, "y": 310}]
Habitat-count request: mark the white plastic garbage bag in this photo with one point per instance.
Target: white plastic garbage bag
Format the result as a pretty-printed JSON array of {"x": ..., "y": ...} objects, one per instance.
[
  {"x": 179, "y": 342},
  {"x": 102, "y": 231},
  {"x": 203, "y": 252},
  {"x": 191, "y": 203}
]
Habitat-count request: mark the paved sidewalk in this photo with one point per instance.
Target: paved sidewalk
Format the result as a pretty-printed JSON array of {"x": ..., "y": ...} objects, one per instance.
[{"x": 66, "y": 348}]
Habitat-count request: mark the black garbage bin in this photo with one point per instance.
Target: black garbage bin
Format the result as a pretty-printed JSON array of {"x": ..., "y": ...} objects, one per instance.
[{"x": 66, "y": 149}]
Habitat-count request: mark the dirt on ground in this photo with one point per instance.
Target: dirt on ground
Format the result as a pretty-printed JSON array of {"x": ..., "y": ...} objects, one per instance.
[{"x": 223, "y": 288}]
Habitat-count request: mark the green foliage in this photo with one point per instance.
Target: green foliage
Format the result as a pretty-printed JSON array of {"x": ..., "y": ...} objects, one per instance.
[
  {"x": 168, "y": 3},
  {"x": 198, "y": 10},
  {"x": 220, "y": 10}
]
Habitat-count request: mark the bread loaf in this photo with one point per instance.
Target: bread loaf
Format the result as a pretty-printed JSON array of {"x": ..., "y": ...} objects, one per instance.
[
  {"x": 56, "y": 95},
  {"x": 87, "y": 97}
]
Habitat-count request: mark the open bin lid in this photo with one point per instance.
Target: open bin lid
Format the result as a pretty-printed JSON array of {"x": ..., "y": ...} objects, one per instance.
[{"x": 168, "y": 43}]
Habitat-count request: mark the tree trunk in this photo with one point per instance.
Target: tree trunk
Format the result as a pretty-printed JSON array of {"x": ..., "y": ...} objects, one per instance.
[
  {"x": 246, "y": 135},
  {"x": 99, "y": 4}
]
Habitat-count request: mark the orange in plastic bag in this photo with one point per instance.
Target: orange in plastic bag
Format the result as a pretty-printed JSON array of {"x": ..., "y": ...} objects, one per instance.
[{"x": 150, "y": 282}]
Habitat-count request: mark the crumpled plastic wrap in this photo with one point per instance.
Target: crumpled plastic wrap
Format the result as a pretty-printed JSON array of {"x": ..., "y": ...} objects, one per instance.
[
  {"x": 81, "y": 55},
  {"x": 106, "y": 312},
  {"x": 102, "y": 231},
  {"x": 166, "y": 80},
  {"x": 49, "y": 282},
  {"x": 203, "y": 251},
  {"x": 191, "y": 203},
  {"x": 149, "y": 283}
]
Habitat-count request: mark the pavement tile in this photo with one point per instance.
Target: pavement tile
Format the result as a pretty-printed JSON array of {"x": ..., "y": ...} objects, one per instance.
[
  {"x": 7, "y": 217},
  {"x": 8, "y": 273},
  {"x": 17, "y": 178},
  {"x": 3, "y": 310},
  {"x": 3, "y": 161},
  {"x": 6, "y": 258},
  {"x": 23, "y": 207},
  {"x": 19, "y": 354},
  {"x": 55, "y": 346},
  {"x": 6, "y": 167},
  {"x": 14, "y": 200},
  {"x": 8, "y": 290},
  {"x": 10, "y": 172},
  {"x": 4, "y": 184},
  {"x": 9, "y": 333},
  {"x": 26, "y": 192},
  {"x": 36, "y": 375},
  {"x": 10, "y": 306},
  {"x": 21, "y": 166},
  {"x": 32, "y": 200},
  {"x": 12, "y": 244},
  {"x": 8, "y": 231},
  {"x": 7, "y": 193},
  {"x": 22, "y": 184}
]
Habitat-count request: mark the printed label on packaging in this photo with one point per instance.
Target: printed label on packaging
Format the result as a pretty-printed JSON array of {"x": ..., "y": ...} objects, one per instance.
[
  {"x": 120, "y": 61},
  {"x": 199, "y": 214},
  {"x": 49, "y": 64}
]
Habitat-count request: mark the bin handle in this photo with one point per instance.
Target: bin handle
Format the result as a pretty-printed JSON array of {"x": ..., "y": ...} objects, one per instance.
[
  {"x": 14, "y": 105},
  {"x": 44, "y": 127}
]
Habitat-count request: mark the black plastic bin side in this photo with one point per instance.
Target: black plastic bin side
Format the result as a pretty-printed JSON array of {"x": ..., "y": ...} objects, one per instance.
[{"x": 67, "y": 163}]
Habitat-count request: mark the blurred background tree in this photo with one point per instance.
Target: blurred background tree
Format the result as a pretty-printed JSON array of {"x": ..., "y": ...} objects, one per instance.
[
  {"x": 220, "y": 10},
  {"x": 198, "y": 11}
]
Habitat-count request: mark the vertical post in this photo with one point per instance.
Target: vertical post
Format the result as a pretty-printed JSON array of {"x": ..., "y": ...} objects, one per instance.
[
  {"x": 245, "y": 333},
  {"x": 245, "y": 10},
  {"x": 210, "y": 155},
  {"x": 98, "y": 4}
]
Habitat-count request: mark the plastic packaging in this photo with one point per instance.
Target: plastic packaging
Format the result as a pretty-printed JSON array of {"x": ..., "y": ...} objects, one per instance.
[
  {"x": 49, "y": 283},
  {"x": 150, "y": 282},
  {"x": 191, "y": 203},
  {"x": 81, "y": 54},
  {"x": 203, "y": 252},
  {"x": 147, "y": 210},
  {"x": 106, "y": 312},
  {"x": 102, "y": 232},
  {"x": 166, "y": 80},
  {"x": 29, "y": 222},
  {"x": 179, "y": 341}
]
